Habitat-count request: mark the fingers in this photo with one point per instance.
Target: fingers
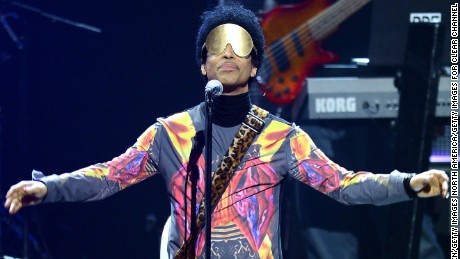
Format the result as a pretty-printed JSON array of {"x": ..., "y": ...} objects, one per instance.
[
  {"x": 13, "y": 203},
  {"x": 15, "y": 192},
  {"x": 445, "y": 190},
  {"x": 14, "y": 196},
  {"x": 20, "y": 195},
  {"x": 437, "y": 183},
  {"x": 16, "y": 205},
  {"x": 443, "y": 182}
]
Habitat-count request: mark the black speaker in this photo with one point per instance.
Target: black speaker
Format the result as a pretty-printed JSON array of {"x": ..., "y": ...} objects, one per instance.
[
  {"x": 418, "y": 87},
  {"x": 390, "y": 24}
]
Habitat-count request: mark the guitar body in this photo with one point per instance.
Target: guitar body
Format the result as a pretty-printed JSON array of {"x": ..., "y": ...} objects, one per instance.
[{"x": 289, "y": 61}]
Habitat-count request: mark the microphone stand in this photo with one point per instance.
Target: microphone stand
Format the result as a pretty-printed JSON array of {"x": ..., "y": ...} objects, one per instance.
[{"x": 208, "y": 170}]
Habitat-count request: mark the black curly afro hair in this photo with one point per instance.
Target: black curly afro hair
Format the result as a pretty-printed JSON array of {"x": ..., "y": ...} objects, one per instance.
[{"x": 235, "y": 14}]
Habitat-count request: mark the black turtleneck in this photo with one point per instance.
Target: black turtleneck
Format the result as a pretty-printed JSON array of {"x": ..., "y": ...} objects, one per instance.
[{"x": 230, "y": 110}]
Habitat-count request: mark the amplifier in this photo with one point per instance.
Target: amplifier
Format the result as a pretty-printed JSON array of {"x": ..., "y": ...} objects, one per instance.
[{"x": 357, "y": 98}]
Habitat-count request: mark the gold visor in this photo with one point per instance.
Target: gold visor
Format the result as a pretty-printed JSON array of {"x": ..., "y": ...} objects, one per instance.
[{"x": 232, "y": 34}]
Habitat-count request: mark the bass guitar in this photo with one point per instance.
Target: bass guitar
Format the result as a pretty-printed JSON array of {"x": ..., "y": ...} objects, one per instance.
[{"x": 292, "y": 35}]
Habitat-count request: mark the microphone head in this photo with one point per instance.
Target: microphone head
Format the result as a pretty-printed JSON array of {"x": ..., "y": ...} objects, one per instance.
[{"x": 214, "y": 87}]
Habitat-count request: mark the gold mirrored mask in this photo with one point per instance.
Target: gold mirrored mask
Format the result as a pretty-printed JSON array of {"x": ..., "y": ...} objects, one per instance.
[{"x": 232, "y": 34}]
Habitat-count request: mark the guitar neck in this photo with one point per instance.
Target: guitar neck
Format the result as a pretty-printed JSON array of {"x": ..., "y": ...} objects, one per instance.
[{"x": 325, "y": 22}]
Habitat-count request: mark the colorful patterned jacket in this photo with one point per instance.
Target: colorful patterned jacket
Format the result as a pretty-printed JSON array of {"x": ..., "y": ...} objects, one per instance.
[{"x": 245, "y": 223}]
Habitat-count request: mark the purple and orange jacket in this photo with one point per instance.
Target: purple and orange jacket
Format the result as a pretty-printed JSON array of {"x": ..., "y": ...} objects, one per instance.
[{"x": 245, "y": 223}]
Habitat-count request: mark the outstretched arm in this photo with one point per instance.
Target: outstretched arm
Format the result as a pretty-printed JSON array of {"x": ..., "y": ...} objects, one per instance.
[
  {"x": 24, "y": 193},
  {"x": 311, "y": 166},
  {"x": 88, "y": 184}
]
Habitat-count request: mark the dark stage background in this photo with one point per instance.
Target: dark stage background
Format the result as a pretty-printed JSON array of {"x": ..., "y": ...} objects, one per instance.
[{"x": 71, "y": 98}]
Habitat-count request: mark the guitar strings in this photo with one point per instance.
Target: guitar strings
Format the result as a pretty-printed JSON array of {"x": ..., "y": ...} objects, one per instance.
[
  {"x": 342, "y": 8},
  {"x": 324, "y": 27},
  {"x": 288, "y": 46},
  {"x": 302, "y": 31}
]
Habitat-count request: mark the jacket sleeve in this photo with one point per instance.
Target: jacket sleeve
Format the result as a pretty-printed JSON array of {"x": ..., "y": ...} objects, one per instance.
[
  {"x": 311, "y": 166},
  {"x": 101, "y": 180}
]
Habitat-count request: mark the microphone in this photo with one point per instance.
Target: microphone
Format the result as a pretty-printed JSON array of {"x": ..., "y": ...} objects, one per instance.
[{"x": 214, "y": 87}]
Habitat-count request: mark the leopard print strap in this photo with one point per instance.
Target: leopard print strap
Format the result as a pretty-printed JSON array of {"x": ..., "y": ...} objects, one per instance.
[{"x": 248, "y": 131}]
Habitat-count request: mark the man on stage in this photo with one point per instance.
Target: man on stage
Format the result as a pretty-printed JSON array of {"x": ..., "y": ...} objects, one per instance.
[{"x": 253, "y": 153}]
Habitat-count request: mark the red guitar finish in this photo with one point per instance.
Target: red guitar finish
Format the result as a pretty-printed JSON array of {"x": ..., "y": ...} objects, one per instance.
[{"x": 292, "y": 35}]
